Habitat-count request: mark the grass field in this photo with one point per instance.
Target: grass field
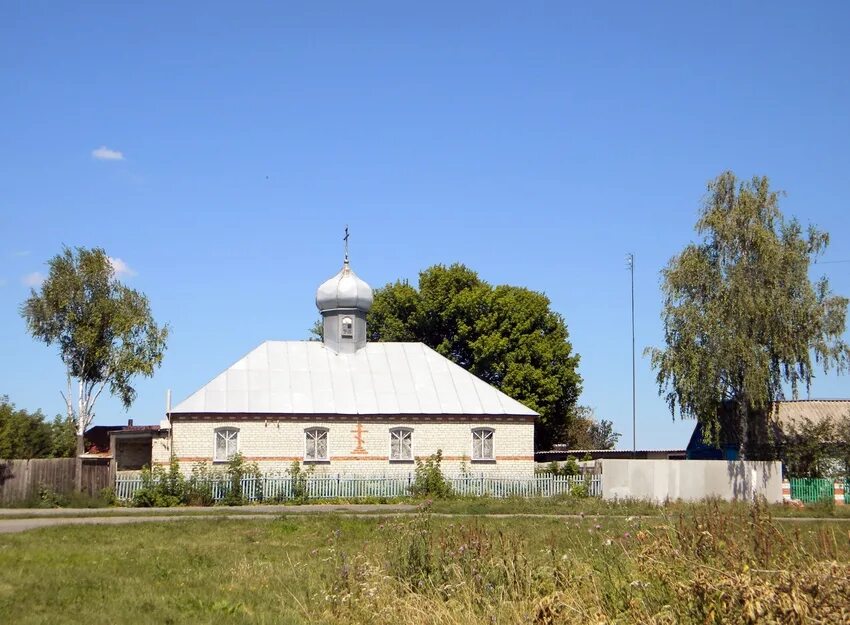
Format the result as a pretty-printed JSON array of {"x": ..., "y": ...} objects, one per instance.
[
  {"x": 709, "y": 563},
  {"x": 598, "y": 506},
  {"x": 559, "y": 505}
]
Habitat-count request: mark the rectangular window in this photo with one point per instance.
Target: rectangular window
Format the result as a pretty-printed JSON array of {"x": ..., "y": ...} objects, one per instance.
[
  {"x": 482, "y": 444},
  {"x": 401, "y": 444},
  {"x": 226, "y": 444},
  {"x": 316, "y": 444}
]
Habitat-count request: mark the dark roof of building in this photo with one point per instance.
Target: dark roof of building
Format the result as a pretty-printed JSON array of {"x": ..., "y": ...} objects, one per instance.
[
  {"x": 581, "y": 452},
  {"x": 97, "y": 438},
  {"x": 140, "y": 428},
  {"x": 783, "y": 413},
  {"x": 96, "y": 430}
]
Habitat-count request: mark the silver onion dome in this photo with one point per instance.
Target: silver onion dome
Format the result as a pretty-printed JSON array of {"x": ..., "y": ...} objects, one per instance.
[{"x": 344, "y": 290}]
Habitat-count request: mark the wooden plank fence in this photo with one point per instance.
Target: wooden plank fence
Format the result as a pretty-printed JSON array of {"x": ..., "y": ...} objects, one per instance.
[
  {"x": 22, "y": 480},
  {"x": 282, "y": 488}
]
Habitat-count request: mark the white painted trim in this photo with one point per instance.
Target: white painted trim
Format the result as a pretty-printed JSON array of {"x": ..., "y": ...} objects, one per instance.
[
  {"x": 400, "y": 428},
  {"x": 316, "y": 428},
  {"x": 485, "y": 428},
  {"x": 215, "y": 440}
]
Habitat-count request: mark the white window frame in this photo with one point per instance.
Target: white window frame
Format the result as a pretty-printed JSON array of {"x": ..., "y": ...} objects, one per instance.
[
  {"x": 477, "y": 433},
  {"x": 225, "y": 430},
  {"x": 342, "y": 327},
  {"x": 401, "y": 430},
  {"x": 315, "y": 431}
]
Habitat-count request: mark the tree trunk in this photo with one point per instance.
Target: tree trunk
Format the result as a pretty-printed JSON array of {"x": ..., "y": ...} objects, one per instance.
[{"x": 81, "y": 447}]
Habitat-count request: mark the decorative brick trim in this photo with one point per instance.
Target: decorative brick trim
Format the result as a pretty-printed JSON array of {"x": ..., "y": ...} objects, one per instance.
[
  {"x": 345, "y": 418},
  {"x": 470, "y": 460},
  {"x": 247, "y": 458},
  {"x": 343, "y": 459}
]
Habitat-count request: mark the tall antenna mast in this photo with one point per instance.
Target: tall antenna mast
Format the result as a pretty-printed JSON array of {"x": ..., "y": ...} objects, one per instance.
[{"x": 630, "y": 262}]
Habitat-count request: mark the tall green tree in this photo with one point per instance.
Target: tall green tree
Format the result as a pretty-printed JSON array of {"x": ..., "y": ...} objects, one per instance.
[
  {"x": 506, "y": 335},
  {"x": 585, "y": 431},
  {"x": 816, "y": 448},
  {"x": 27, "y": 435},
  {"x": 105, "y": 331},
  {"x": 742, "y": 320}
]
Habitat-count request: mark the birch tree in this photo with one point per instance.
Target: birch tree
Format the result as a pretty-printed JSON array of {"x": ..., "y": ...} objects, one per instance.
[
  {"x": 743, "y": 322},
  {"x": 104, "y": 330}
]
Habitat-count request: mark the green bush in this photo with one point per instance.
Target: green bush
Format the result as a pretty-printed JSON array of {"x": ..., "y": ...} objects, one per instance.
[
  {"x": 165, "y": 488},
  {"x": 107, "y": 495},
  {"x": 299, "y": 482},
  {"x": 579, "y": 490},
  {"x": 570, "y": 467},
  {"x": 237, "y": 469},
  {"x": 161, "y": 488},
  {"x": 429, "y": 480},
  {"x": 49, "y": 498},
  {"x": 198, "y": 487}
]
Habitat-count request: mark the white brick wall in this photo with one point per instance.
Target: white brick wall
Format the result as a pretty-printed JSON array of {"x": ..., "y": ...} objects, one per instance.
[
  {"x": 161, "y": 449},
  {"x": 275, "y": 444}
]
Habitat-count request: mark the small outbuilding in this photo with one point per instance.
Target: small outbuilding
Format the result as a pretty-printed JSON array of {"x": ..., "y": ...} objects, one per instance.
[{"x": 784, "y": 417}]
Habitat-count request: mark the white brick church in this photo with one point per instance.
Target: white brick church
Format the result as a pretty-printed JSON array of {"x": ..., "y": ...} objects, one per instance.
[{"x": 347, "y": 406}]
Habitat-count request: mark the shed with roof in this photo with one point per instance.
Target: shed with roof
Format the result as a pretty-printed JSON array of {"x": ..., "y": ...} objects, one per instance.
[{"x": 783, "y": 417}]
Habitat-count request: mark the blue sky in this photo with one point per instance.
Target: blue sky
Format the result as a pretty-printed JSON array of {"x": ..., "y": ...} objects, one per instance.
[{"x": 537, "y": 143}]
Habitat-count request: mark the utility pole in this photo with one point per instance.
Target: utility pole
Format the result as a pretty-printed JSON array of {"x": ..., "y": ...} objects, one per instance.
[{"x": 630, "y": 261}]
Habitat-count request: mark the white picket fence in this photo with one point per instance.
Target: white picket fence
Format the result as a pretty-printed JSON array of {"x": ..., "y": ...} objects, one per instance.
[{"x": 280, "y": 488}]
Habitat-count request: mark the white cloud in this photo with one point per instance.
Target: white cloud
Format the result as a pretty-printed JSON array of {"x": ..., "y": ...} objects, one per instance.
[
  {"x": 33, "y": 279},
  {"x": 2, "y": 282},
  {"x": 104, "y": 153},
  {"x": 21, "y": 253},
  {"x": 120, "y": 267}
]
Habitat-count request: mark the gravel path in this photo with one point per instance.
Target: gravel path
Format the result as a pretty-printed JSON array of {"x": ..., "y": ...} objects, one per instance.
[
  {"x": 214, "y": 511},
  {"x": 111, "y": 516},
  {"x": 12, "y": 526}
]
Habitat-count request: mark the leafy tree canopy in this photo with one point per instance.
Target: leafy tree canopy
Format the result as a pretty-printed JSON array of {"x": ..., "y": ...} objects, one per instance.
[
  {"x": 506, "y": 335},
  {"x": 741, "y": 317},
  {"x": 26, "y": 434},
  {"x": 816, "y": 448},
  {"x": 104, "y": 330},
  {"x": 585, "y": 431}
]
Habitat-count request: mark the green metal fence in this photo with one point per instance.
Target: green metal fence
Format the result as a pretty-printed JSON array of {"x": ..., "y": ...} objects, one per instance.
[{"x": 811, "y": 489}]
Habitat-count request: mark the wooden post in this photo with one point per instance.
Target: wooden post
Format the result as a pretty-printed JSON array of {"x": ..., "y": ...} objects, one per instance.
[
  {"x": 113, "y": 472},
  {"x": 26, "y": 489},
  {"x": 78, "y": 474}
]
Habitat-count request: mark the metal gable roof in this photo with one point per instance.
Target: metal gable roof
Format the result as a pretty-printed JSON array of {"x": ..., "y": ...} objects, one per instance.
[
  {"x": 816, "y": 410},
  {"x": 305, "y": 377}
]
